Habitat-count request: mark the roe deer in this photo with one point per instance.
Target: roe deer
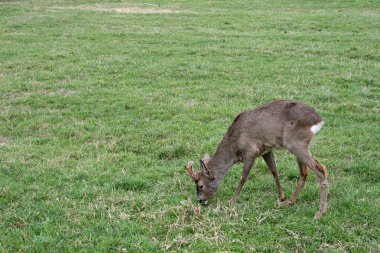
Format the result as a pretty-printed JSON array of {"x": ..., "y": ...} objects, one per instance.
[{"x": 280, "y": 124}]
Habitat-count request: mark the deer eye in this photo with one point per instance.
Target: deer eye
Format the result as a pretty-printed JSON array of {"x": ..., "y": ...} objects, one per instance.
[{"x": 201, "y": 186}]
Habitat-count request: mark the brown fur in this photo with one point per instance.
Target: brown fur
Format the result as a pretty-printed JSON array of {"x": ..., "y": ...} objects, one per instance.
[{"x": 280, "y": 124}]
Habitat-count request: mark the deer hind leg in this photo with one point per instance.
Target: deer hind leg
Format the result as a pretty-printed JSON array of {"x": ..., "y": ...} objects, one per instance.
[
  {"x": 322, "y": 170},
  {"x": 303, "y": 154},
  {"x": 301, "y": 182},
  {"x": 248, "y": 163},
  {"x": 270, "y": 161}
]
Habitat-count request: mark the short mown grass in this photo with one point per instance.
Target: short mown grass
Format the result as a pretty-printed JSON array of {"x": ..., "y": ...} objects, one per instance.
[{"x": 104, "y": 102}]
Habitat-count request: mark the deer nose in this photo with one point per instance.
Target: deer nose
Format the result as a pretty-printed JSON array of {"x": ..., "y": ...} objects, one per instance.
[{"x": 203, "y": 202}]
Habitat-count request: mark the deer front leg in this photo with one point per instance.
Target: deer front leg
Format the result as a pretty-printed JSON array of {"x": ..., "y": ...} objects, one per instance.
[
  {"x": 301, "y": 182},
  {"x": 248, "y": 162},
  {"x": 269, "y": 159}
]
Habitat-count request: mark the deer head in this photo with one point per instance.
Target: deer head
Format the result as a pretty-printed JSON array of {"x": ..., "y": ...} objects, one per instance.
[{"x": 204, "y": 180}]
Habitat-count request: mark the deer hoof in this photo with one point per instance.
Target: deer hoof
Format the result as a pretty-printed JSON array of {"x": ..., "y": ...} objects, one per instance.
[
  {"x": 282, "y": 202},
  {"x": 319, "y": 214}
]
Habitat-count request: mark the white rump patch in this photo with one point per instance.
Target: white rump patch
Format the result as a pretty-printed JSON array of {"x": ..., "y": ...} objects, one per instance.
[{"x": 316, "y": 127}]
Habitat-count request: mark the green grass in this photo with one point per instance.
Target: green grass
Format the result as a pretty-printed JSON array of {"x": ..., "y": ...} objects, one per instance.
[{"x": 101, "y": 110}]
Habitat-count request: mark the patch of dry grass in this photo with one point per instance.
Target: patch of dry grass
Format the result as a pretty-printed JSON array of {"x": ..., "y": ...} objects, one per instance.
[
  {"x": 127, "y": 10},
  {"x": 3, "y": 141}
]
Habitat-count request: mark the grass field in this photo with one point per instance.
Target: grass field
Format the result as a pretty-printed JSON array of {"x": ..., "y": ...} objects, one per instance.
[{"x": 102, "y": 103}]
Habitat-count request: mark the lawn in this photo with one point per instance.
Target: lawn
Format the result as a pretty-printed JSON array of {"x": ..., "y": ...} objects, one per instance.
[{"x": 102, "y": 103}]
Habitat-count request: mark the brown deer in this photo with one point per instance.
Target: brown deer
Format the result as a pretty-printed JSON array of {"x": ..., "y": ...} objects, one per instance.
[{"x": 280, "y": 124}]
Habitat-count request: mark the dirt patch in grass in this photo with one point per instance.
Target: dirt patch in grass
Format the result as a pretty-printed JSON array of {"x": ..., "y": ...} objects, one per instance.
[
  {"x": 3, "y": 141},
  {"x": 131, "y": 10}
]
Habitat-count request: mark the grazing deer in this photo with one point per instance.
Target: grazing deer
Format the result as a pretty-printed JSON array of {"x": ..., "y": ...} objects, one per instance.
[{"x": 280, "y": 124}]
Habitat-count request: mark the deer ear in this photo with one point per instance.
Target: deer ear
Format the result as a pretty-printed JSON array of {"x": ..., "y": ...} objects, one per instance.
[
  {"x": 203, "y": 166},
  {"x": 206, "y": 170},
  {"x": 210, "y": 175},
  {"x": 206, "y": 158}
]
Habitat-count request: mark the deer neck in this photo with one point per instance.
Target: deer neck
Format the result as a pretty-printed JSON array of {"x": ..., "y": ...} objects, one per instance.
[{"x": 221, "y": 161}]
